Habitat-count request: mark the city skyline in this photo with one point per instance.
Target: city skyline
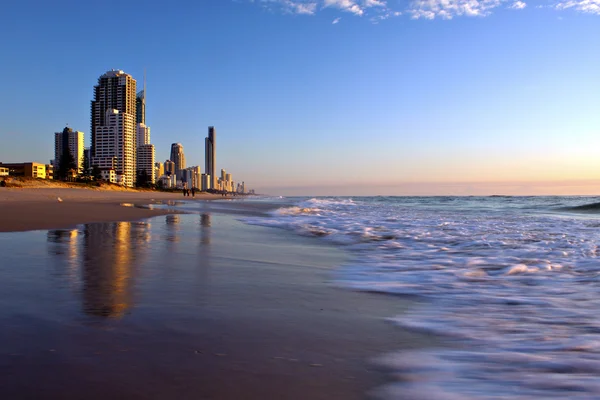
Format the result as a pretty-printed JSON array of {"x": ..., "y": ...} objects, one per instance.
[{"x": 502, "y": 102}]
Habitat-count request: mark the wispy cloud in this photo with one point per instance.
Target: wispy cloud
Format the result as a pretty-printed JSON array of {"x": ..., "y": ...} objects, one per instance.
[
  {"x": 518, "y": 5},
  {"x": 336, "y": 21},
  {"x": 448, "y": 9},
  {"x": 585, "y": 6},
  {"x": 310, "y": 7},
  {"x": 379, "y": 10}
]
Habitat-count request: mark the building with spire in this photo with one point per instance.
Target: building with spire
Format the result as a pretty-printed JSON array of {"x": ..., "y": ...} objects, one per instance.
[
  {"x": 210, "y": 152},
  {"x": 113, "y": 126}
]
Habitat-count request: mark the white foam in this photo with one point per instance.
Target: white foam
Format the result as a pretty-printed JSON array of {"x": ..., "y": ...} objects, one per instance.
[{"x": 513, "y": 287}]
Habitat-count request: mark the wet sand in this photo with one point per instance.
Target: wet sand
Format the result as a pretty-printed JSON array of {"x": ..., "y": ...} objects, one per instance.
[
  {"x": 185, "y": 307},
  {"x": 40, "y": 208}
]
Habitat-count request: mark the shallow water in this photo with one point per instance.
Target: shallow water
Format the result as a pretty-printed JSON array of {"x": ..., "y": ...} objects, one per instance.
[{"x": 513, "y": 283}]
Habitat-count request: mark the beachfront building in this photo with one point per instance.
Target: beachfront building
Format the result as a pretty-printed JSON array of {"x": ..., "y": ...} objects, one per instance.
[
  {"x": 205, "y": 182},
  {"x": 169, "y": 168},
  {"x": 145, "y": 161},
  {"x": 113, "y": 125},
  {"x": 28, "y": 170},
  {"x": 68, "y": 141},
  {"x": 210, "y": 155},
  {"x": 168, "y": 181},
  {"x": 178, "y": 159},
  {"x": 191, "y": 177},
  {"x": 108, "y": 175},
  {"x": 114, "y": 146},
  {"x": 159, "y": 169},
  {"x": 143, "y": 134},
  {"x": 3, "y": 171}
]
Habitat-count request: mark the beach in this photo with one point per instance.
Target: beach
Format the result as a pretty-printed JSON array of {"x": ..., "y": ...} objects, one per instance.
[
  {"x": 25, "y": 209},
  {"x": 189, "y": 306}
]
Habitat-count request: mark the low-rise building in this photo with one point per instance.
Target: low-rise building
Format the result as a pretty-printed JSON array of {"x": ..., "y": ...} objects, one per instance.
[
  {"x": 27, "y": 170},
  {"x": 108, "y": 175},
  {"x": 3, "y": 171}
]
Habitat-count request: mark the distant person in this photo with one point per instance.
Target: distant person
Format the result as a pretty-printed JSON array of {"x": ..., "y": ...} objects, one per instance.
[
  {"x": 184, "y": 192},
  {"x": 193, "y": 192}
]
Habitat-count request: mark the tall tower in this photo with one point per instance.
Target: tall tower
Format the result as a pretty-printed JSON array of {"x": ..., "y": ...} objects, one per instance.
[
  {"x": 210, "y": 147},
  {"x": 113, "y": 129},
  {"x": 178, "y": 158},
  {"x": 140, "y": 105}
]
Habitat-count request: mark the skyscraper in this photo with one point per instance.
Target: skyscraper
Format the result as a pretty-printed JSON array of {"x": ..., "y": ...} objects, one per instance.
[
  {"x": 115, "y": 146},
  {"x": 210, "y": 147},
  {"x": 68, "y": 141},
  {"x": 143, "y": 134},
  {"x": 178, "y": 158},
  {"x": 145, "y": 161},
  {"x": 113, "y": 129},
  {"x": 140, "y": 107}
]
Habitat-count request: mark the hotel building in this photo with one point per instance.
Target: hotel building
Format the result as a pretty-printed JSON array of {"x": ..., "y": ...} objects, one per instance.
[
  {"x": 114, "y": 146},
  {"x": 113, "y": 131}
]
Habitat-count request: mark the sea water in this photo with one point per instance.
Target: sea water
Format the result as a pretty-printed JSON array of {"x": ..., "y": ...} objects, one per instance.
[{"x": 511, "y": 283}]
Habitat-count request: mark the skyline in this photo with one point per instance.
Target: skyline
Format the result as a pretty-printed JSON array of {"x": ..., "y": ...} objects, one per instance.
[{"x": 303, "y": 103}]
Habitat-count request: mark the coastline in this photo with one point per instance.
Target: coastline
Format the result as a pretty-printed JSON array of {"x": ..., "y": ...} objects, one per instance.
[
  {"x": 202, "y": 306},
  {"x": 25, "y": 209}
]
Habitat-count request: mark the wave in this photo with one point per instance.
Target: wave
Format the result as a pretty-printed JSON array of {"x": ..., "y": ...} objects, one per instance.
[{"x": 590, "y": 208}]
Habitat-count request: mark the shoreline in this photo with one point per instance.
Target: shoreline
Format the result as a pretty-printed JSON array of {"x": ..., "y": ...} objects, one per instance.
[
  {"x": 28, "y": 209},
  {"x": 214, "y": 307}
]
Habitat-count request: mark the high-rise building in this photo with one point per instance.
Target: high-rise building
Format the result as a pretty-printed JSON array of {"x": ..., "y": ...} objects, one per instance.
[
  {"x": 210, "y": 152},
  {"x": 193, "y": 177},
  {"x": 145, "y": 161},
  {"x": 178, "y": 158},
  {"x": 169, "y": 168},
  {"x": 115, "y": 146},
  {"x": 113, "y": 128},
  {"x": 68, "y": 141},
  {"x": 159, "y": 169},
  {"x": 143, "y": 134},
  {"x": 140, "y": 107}
]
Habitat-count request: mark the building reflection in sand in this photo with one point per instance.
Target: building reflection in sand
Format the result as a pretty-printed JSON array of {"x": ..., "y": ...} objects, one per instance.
[
  {"x": 106, "y": 256},
  {"x": 101, "y": 261}
]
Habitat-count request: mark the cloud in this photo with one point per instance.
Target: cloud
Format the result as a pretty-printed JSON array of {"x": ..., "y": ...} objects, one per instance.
[
  {"x": 337, "y": 20},
  {"x": 585, "y": 6},
  {"x": 448, "y": 9},
  {"x": 518, "y": 5},
  {"x": 379, "y": 10},
  {"x": 310, "y": 7}
]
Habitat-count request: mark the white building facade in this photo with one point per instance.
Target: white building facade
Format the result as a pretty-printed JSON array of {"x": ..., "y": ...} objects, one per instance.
[
  {"x": 114, "y": 146},
  {"x": 113, "y": 125}
]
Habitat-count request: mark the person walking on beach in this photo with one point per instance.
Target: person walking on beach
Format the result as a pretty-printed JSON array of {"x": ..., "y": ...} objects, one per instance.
[
  {"x": 184, "y": 192},
  {"x": 193, "y": 192}
]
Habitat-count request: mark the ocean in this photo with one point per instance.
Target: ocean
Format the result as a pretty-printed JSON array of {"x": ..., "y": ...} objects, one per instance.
[{"x": 510, "y": 284}]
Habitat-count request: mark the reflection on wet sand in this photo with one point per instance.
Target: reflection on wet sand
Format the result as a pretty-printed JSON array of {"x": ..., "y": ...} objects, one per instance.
[
  {"x": 64, "y": 246},
  {"x": 172, "y": 229},
  {"x": 106, "y": 271},
  {"x": 204, "y": 231}
]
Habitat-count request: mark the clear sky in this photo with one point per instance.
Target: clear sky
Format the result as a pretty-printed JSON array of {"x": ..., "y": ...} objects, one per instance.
[{"x": 326, "y": 96}]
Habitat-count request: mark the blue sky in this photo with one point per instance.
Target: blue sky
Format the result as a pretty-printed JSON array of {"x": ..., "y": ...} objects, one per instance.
[{"x": 326, "y": 96}]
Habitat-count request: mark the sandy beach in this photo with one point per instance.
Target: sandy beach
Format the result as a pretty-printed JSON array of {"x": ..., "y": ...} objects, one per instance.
[
  {"x": 188, "y": 306},
  {"x": 25, "y": 209}
]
